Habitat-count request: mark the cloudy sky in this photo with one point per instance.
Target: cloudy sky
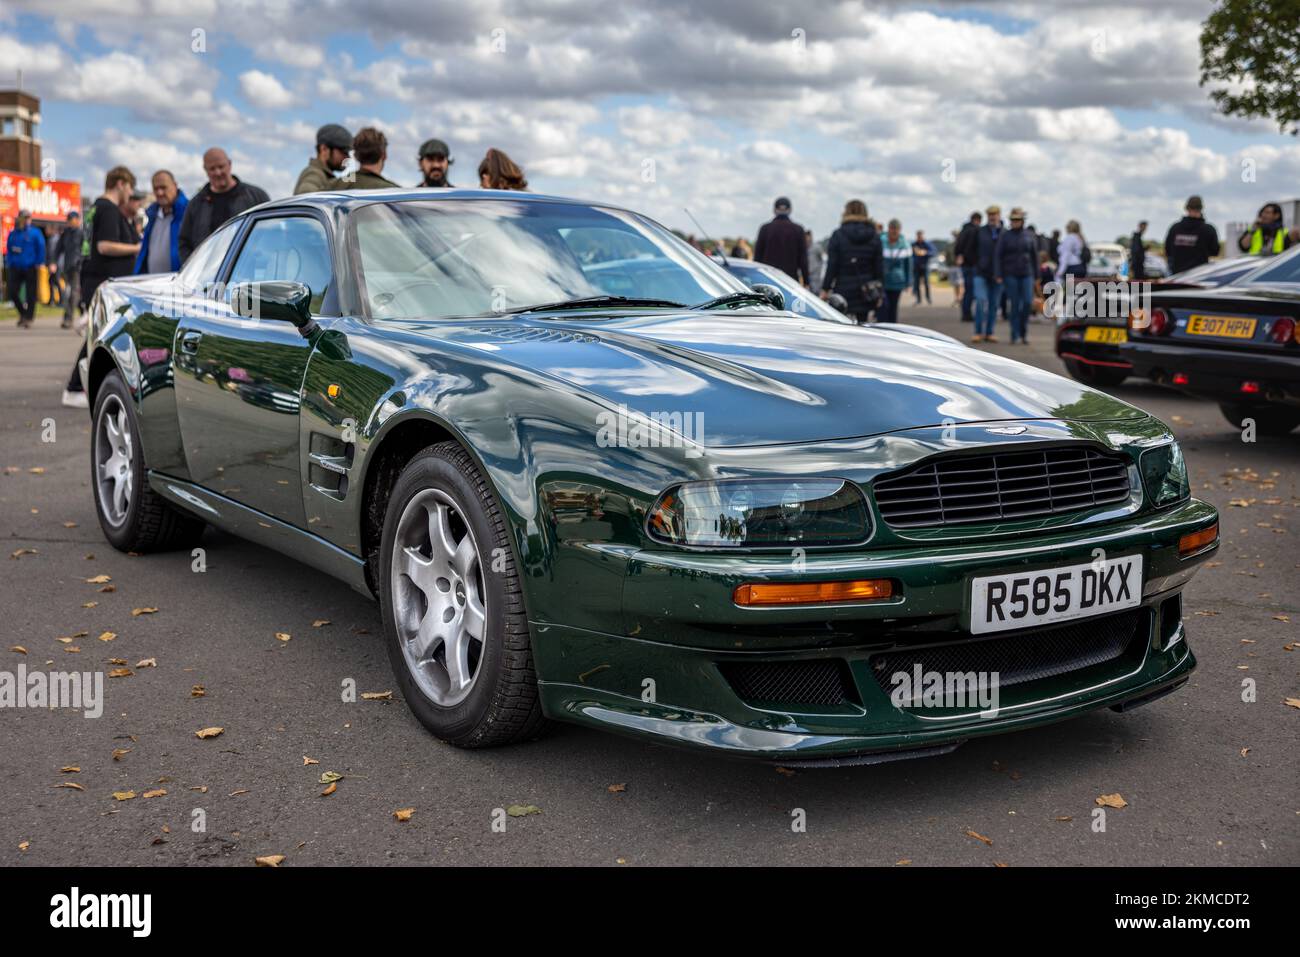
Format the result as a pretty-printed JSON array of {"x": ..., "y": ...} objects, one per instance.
[{"x": 924, "y": 111}]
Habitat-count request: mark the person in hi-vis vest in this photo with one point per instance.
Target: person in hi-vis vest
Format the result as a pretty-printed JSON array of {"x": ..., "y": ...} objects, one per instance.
[{"x": 1268, "y": 236}]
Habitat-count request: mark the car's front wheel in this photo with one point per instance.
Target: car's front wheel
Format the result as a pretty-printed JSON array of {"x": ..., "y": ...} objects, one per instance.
[
  {"x": 133, "y": 516},
  {"x": 454, "y": 617},
  {"x": 1269, "y": 419}
]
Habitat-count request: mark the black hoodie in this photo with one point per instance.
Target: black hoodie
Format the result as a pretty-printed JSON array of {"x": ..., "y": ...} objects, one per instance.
[{"x": 854, "y": 257}]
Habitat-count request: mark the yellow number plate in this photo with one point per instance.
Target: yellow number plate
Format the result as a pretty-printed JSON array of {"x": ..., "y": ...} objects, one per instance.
[
  {"x": 1226, "y": 327},
  {"x": 1107, "y": 334}
]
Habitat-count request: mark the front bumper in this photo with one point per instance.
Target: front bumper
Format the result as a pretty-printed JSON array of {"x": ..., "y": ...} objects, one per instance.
[
  {"x": 1217, "y": 373},
  {"x": 670, "y": 676}
]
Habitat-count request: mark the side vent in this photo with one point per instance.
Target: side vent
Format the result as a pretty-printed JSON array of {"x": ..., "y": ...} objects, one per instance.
[{"x": 329, "y": 461}]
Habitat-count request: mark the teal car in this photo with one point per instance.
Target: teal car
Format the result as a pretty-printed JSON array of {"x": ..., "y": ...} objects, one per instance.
[{"x": 592, "y": 477}]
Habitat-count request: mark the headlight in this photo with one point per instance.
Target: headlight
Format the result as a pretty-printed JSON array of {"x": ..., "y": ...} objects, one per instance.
[
  {"x": 1165, "y": 475},
  {"x": 761, "y": 513}
]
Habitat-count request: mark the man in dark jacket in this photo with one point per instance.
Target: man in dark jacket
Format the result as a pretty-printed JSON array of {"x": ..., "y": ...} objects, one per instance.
[
  {"x": 67, "y": 262},
  {"x": 159, "y": 246},
  {"x": 435, "y": 163},
  {"x": 1191, "y": 241},
  {"x": 782, "y": 243},
  {"x": 1015, "y": 267},
  {"x": 224, "y": 196},
  {"x": 855, "y": 263},
  {"x": 1137, "y": 254},
  {"x": 966, "y": 252},
  {"x": 333, "y": 144}
]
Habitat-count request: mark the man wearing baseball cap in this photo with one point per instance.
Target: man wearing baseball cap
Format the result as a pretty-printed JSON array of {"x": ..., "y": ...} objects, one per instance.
[
  {"x": 988, "y": 294},
  {"x": 333, "y": 144},
  {"x": 435, "y": 161},
  {"x": 23, "y": 254}
]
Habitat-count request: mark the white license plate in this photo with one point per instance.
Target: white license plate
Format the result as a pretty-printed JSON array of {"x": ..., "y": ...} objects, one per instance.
[{"x": 1026, "y": 599}]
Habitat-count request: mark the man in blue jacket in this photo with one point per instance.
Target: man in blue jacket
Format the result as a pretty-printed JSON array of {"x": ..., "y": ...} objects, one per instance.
[
  {"x": 159, "y": 246},
  {"x": 23, "y": 254}
]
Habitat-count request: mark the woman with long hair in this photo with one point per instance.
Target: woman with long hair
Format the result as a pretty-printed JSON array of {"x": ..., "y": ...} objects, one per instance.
[
  {"x": 499, "y": 171},
  {"x": 853, "y": 263}
]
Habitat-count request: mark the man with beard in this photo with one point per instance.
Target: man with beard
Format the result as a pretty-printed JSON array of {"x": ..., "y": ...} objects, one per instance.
[
  {"x": 333, "y": 144},
  {"x": 435, "y": 162}
]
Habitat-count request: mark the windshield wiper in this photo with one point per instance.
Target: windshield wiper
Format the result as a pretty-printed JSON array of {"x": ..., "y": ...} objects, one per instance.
[
  {"x": 595, "y": 302},
  {"x": 733, "y": 298}
]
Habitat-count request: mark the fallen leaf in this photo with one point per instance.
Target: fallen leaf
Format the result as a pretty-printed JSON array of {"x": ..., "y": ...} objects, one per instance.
[
  {"x": 1245, "y": 751},
  {"x": 329, "y": 777},
  {"x": 237, "y": 793},
  {"x": 1065, "y": 817},
  {"x": 283, "y": 635},
  {"x": 147, "y": 663},
  {"x": 1293, "y": 702},
  {"x": 90, "y": 604},
  {"x": 37, "y": 470},
  {"x": 1281, "y": 617},
  {"x": 108, "y": 589},
  {"x": 202, "y": 789},
  {"x": 121, "y": 673},
  {"x": 377, "y": 695},
  {"x": 320, "y": 623},
  {"x": 156, "y": 792},
  {"x": 70, "y": 769},
  {"x": 330, "y": 790},
  {"x": 521, "y": 810},
  {"x": 1111, "y": 800},
  {"x": 137, "y": 612},
  {"x": 117, "y": 661},
  {"x": 123, "y": 795},
  {"x": 119, "y": 752},
  {"x": 70, "y": 784},
  {"x": 19, "y": 649},
  {"x": 108, "y": 636},
  {"x": 23, "y": 551},
  {"x": 208, "y": 732},
  {"x": 306, "y": 761},
  {"x": 404, "y": 814},
  {"x": 198, "y": 691},
  {"x": 271, "y": 860},
  {"x": 73, "y": 649},
  {"x": 64, "y": 641},
  {"x": 24, "y": 845},
  {"x": 1240, "y": 503},
  {"x": 69, "y": 524},
  {"x": 616, "y": 788},
  {"x": 980, "y": 837},
  {"x": 98, "y": 580}
]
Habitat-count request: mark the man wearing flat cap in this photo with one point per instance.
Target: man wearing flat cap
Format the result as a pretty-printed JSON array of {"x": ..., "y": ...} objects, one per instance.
[
  {"x": 333, "y": 144},
  {"x": 435, "y": 160}
]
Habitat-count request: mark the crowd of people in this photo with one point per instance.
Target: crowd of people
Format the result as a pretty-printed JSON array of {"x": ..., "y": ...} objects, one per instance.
[
  {"x": 119, "y": 238},
  {"x": 994, "y": 268}
]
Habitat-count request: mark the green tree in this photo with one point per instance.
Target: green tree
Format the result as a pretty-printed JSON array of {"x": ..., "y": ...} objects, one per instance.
[{"x": 1253, "y": 47}]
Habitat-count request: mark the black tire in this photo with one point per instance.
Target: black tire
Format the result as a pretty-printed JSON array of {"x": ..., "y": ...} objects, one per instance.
[
  {"x": 1271, "y": 420},
  {"x": 503, "y": 705},
  {"x": 1100, "y": 377},
  {"x": 150, "y": 523}
]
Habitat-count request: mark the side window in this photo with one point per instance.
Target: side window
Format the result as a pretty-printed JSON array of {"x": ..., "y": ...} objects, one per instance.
[
  {"x": 200, "y": 270},
  {"x": 292, "y": 248}
]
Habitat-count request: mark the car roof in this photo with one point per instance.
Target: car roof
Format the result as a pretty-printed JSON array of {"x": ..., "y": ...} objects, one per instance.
[{"x": 354, "y": 198}]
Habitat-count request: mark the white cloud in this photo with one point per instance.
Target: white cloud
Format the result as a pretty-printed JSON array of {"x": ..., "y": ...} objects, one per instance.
[{"x": 264, "y": 90}]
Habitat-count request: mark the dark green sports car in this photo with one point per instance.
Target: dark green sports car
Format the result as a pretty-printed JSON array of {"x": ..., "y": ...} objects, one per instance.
[{"x": 592, "y": 477}]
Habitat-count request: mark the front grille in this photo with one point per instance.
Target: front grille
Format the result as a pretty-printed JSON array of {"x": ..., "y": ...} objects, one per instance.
[
  {"x": 821, "y": 682},
  {"x": 961, "y": 490},
  {"x": 1022, "y": 657}
]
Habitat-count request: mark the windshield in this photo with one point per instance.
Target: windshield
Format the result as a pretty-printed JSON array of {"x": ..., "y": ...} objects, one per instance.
[
  {"x": 1283, "y": 268},
  {"x": 447, "y": 258}
]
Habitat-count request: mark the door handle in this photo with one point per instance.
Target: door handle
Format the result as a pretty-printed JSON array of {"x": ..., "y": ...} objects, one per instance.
[{"x": 190, "y": 342}]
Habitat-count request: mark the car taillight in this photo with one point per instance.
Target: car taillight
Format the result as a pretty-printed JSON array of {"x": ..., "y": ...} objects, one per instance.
[
  {"x": 1161, "y": 324},
  {"x": 1282, "y": 331}
]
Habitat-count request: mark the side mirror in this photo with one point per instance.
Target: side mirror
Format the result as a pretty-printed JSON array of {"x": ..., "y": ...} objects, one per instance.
[
  {"x": 773, "y": 296},
  {"x": 836, "y": 301},
  {"x": 277, "y": 299}
]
